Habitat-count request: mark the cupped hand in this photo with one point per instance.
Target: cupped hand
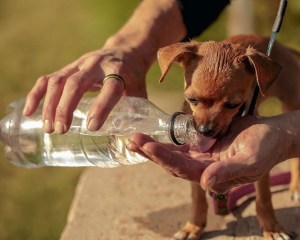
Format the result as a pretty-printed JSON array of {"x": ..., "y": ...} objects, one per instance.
[
  {"x": 62, "y": 90},
  {"x": 249, "y": 150},
  {"x": 243, "y": 155},
  {"x": 179, "y": 161}
]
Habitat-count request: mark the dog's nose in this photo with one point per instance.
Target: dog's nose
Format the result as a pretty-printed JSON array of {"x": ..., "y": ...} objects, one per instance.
[{"x": 206, "y": 131}]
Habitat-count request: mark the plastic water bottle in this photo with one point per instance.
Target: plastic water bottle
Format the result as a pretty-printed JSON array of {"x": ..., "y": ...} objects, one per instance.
[{"x": 27, "y": 145}]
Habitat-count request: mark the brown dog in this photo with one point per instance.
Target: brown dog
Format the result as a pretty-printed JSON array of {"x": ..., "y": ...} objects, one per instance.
[{"x": 219, "y": 79}]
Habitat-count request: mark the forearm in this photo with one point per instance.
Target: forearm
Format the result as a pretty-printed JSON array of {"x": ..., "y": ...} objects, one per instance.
[
  {"x": 292, "y": 122},
  {"x": 154, "y": 24},
  {"x": 288, "y": 124}
]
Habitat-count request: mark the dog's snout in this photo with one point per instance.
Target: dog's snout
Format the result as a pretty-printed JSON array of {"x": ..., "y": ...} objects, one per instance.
[{"x": 206, "y": 131}]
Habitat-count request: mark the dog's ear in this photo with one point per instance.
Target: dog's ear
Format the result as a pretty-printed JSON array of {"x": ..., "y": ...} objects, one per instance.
[
  {"x": 265, "y": 69},
  {"x": 180, "y": 53}
]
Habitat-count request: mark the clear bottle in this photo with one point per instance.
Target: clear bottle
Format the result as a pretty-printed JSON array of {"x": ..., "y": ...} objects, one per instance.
[{"x": 27, "y": 145}]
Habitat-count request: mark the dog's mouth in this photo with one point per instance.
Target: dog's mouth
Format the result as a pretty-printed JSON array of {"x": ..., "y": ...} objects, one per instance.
[
  {"x": 213, "y": 133},
  {"x": 203, "y": 144}
]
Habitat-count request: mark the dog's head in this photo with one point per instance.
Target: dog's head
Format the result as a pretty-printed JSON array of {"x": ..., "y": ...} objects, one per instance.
[{"x": 219, "y": 78}]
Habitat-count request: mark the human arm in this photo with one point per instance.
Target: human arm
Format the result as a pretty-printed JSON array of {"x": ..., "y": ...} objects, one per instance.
[
  {"x": 250, "y": 149},
  {"x": 128, "y": 53}
]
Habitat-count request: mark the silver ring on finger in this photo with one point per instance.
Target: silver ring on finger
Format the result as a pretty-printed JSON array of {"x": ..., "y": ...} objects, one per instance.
[{"x": 116, "y": 77}]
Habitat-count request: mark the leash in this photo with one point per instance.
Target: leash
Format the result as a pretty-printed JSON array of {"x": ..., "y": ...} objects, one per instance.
[
  {"x": 224, "y": 203},
  {"x": 275, "y": 30}
]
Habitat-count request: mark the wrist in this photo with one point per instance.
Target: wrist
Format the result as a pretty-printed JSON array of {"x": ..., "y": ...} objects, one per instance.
[
  {"x": 134, "y": 46},
  {"x": 152, "y": 26}
]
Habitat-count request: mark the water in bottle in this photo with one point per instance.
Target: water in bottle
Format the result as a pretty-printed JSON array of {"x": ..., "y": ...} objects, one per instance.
[{"x": 27, "y": 145}]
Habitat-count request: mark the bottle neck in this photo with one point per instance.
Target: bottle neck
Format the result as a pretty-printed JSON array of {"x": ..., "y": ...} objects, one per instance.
[{"x": 182, "y": 129}]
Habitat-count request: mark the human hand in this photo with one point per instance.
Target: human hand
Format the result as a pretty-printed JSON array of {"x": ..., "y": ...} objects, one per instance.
[
  {"x": 247, "y": 152},
  {"x": 243, "y": 155},
  {"x": 179, "y": 161},
  {"x": 129, "y": 53},
  {"x": 62, "y": 90}
]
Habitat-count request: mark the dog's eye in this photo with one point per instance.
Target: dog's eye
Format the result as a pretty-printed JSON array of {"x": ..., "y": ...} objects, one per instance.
[
  {"x": 193, "y": 101},
  {"x": 231, "y": 105}
]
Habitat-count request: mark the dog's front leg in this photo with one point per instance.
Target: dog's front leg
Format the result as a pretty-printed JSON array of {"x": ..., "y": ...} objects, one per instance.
[
  {"x": 195, "y": 226},
  {"x": 265, "y": 211}
]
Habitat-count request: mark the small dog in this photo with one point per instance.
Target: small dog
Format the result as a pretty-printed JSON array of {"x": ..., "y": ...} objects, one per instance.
[{"x": 219, "y": 79}]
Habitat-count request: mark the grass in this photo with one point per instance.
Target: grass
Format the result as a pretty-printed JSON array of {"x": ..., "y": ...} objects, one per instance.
[{"x": 39, "y": 37}]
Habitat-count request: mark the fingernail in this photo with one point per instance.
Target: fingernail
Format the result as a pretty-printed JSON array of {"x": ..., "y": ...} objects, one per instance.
[
  {"x": 131, "y": 145},
  {"x": 93, "y": 124},
  {"x": 25, "y": 110},
  {"x": 60, "y": 128},
  {"x": 48, "y": 126},
  {"x": 211, "y": 182}
]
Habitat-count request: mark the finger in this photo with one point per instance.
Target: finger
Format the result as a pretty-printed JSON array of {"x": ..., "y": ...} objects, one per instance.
[
  {"x": 174, "y": 159},
  {"x": 163, "y": 157},
  {"x": 140, "y": 139},
  {"x": 110, "y": 94},
  {"x": 224, "y": 173},
  {"x": 132, "y": 146},
  {"x": 55, "y": 87},
  {"x": 175, "y": 162},
  {"x": 73, "y": 90},
  {"x": 75, "y": 86},
  {"x": 154, "y": 150},
  {"x": 137, "y": 141},
  {"x": 54, "y": 90},
  {"x": 35, "y": 96},
  {"x": 223, "y": 188}
]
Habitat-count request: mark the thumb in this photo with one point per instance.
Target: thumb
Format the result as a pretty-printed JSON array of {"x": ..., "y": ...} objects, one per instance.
[{"x": 223, "y": 175}]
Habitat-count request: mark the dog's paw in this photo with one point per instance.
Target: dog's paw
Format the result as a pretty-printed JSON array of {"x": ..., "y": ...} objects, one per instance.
[
  {"x": 189, "y": 232},
  {"x": 273, "y": 230},
  {"x": 279, "y": 236}
]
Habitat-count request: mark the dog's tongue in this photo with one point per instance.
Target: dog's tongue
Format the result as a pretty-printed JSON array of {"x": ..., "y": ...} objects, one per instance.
[{"x": 203, "y": 144}]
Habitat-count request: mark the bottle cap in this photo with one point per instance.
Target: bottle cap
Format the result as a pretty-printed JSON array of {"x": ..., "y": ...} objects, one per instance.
[{"x": 171, "y": 129}]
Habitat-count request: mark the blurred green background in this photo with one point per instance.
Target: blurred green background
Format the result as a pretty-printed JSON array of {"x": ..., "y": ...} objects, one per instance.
[{"x": 39, "y": 37}]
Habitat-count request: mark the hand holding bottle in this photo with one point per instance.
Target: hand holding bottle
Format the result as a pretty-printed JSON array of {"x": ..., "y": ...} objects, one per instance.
[
  {"x": 63, "y": 89},
  {"x": 129, "y": 53}
]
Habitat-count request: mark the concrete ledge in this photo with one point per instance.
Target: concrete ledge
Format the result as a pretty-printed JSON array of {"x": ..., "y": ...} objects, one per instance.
[{"x": 144, "y": 202}]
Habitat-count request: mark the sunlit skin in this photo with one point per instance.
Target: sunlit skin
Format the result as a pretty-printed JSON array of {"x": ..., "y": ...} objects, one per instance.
[
  {"x": 243, "y": 155},
  {"x": 129, "y": 53}
]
